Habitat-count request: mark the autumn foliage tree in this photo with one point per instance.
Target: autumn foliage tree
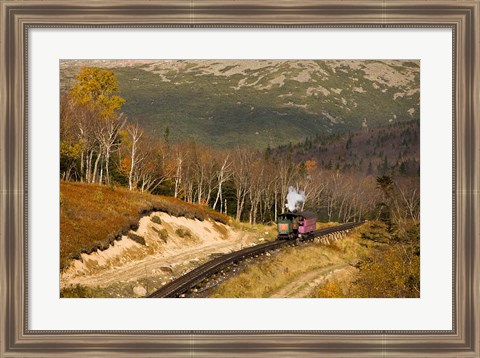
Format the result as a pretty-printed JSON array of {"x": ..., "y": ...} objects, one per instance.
[
  {"x": 90, "y": 124},
  {"x": 95, "y": 89}
]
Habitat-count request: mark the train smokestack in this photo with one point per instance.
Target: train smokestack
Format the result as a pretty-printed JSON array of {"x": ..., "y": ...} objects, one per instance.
[{"x": 294, "y": 198}]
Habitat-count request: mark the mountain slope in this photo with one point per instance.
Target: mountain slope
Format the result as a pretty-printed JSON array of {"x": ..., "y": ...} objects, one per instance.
[
  {"x": 261, "y": 102},
  {"x": 393, "y": 149}
]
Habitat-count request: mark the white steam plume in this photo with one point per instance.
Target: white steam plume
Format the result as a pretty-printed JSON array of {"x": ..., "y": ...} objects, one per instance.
[{"x": 294, "y": 198}]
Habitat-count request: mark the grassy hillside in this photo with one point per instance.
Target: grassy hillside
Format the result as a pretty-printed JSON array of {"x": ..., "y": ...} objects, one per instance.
[
  {"x": 385, "y": 265},
  {"x": 391, "y": 268},
  {"x": 93, "y": 216},
  {"x": 265, "y": 278},
  {"x": 262, "y": 102}
]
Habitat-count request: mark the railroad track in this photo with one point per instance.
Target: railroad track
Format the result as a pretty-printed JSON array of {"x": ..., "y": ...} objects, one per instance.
[{"x": 190, "y": 279}]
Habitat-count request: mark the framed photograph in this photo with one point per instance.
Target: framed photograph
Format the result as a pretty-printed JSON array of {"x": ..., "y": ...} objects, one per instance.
[{"x": 201, "y": 131}]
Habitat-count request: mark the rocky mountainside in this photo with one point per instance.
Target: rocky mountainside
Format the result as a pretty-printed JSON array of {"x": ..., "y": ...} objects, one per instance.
[{"x": 261, "y": 103}]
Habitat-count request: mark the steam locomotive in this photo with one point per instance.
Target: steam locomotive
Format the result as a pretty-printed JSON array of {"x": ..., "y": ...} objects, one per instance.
[{"x": 296, "y": 225}]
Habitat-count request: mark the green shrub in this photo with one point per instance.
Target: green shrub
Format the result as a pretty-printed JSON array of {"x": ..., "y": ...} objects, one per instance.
[
  {"x": 162, "y": 234},
  {"x": 183, "y": 233},
  {"x": 376, "y": 231},
  {"x": 156, "y": 219},
  {"x": 77, "y": 291},
  {"x": 331, "y": 289},
  {"x": 136, "y": 238}
]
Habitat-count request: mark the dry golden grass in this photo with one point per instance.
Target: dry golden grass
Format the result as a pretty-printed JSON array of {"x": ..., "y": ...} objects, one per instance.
[
  {"x": 387, "y": 267},
  {"x": 93, "y": 216},
  {"x": 265, "y": 278},
  {"x": 265, "y": 232},
  {"x": 390, "y": 267},
  {"x": 321, "y": 225}
]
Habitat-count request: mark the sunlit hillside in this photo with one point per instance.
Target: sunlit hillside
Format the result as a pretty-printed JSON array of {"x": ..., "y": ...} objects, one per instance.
[{"x": 261, "y": 103}]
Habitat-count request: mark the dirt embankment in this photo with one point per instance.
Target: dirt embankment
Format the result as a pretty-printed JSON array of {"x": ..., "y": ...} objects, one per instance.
[{"x": 162, "y": 248}]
